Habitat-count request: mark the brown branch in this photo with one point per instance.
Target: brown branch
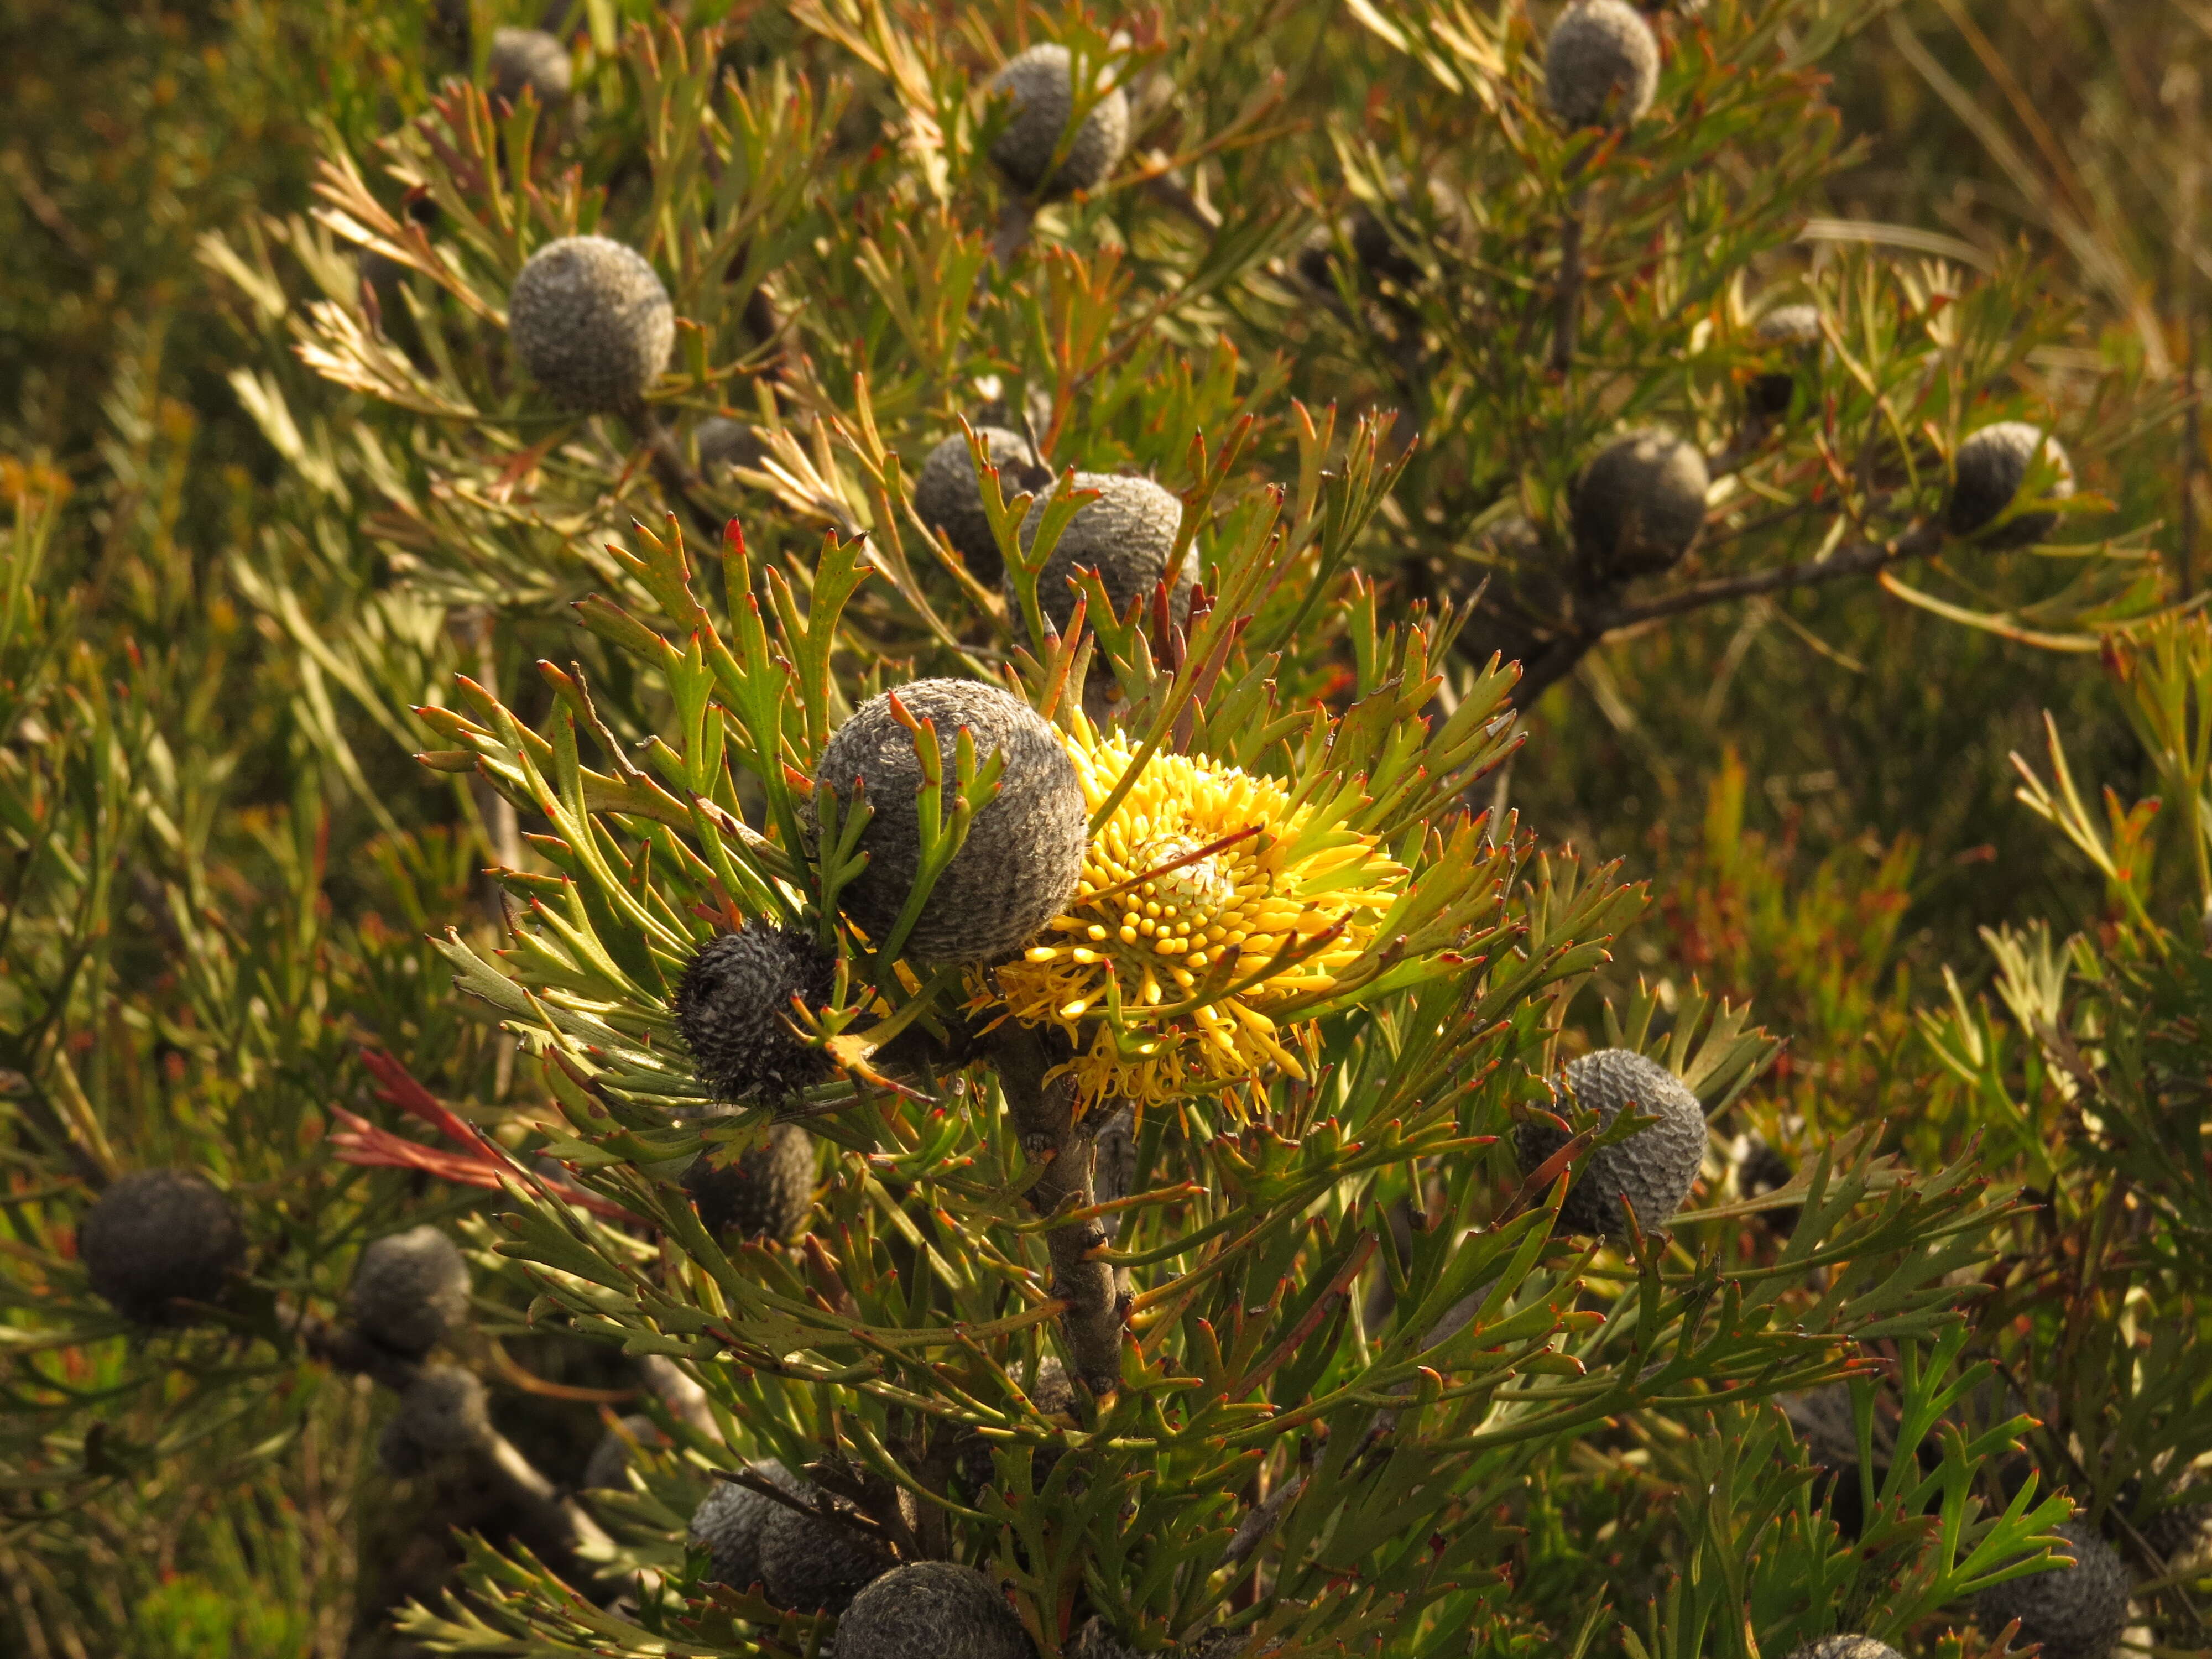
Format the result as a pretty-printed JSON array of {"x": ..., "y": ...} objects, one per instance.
[
  {"x": 1558, "y": 659},
  {"x": 1096, "y": 1293},
  {"x": 1567, "y": 304}
]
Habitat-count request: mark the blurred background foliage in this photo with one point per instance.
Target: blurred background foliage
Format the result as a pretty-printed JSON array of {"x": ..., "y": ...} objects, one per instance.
[{"x": 1817, "y": 784}]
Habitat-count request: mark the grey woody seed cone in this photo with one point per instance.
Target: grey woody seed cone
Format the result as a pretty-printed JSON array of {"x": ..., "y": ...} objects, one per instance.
[
  {"x": 1128, "y": 536},
  {"x": 158, "y": 1238},
  {"x": 2078, "y": 1611},
  {"x": 1990, "y": 470},
  {"x": 724, "y": 443},
  {"x": 409, "y": 1288},
  {"x": 733, "y": 1010},
  {"x": 591, "y": 323},
  {"x": 1051, "y": 1393},
  {"x": 1759, "y": 1169},
  {"x": 767, "y": 1194},
  {"x": 1601, "y": 65},
  {"x": 1652, "y": 1170},
  {"x": 1845, "y": 1647},
  {"x": 948, "y": 497},
  {"x": 1038, "y": 81},
  {"x": 1798, "y": 329},
  {"x": 531, "y": 60},
  {"x": 727, "y": 1525},
  {"x": 607, "y": 1469},
  {"x": 1640, "y": 505},
  {"x": 1024, "y": 849},
  {"x": 810, "y": 1562},
  {"x": 931, "y": 1610},
  {"x": 2175, "y": 1533},
  {"x": 443, "y": 1411}
]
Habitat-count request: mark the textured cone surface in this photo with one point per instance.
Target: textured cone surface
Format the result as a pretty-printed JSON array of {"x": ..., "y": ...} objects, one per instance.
[
  {"x": 1038, "y": 81},
  {"x": 2175, "y": 1533},
  {"x": 733, "y": 1010},
  {"x": 2077, "y": 1612},
  {"x": 1845, "y": 1647},
  {"x": 727, "y": 1525},
  {"x": 1640, "y": 505},
  {"x": 607, "y": 1469},
  {"x": 409, "y": 1288},
  {"x": 1798, "y": 327},
  {"x": 591, "y": 323},
  {"x": 1601, "y": 65},
  {"x": 809, "y": 1563},
  {"x": 443, "y": 1410},
  {"x": 1024, "y": 849},
  {"x": 158, "y": 1235},
  {"x": 724, "y": 443},
  {"x": 931, "y": 1610},
  {"x": 1052, "y": 1394},
  {"x": 1653, "y": 1168},
  {"x": 947, "y": 496},
  {"x": 1991, "y": 466},
  {"x": 1128, "y": 536},
  {"x": 767, "y": 1194},
  {"x": 529, "y": 58}
]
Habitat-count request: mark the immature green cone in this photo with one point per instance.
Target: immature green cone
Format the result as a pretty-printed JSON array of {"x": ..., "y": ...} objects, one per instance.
[
  {"x": 1640, "y": 505},
  {"x": 727, "y": 1524},
  {"x": 2076, "y": 1611},
  {"x": 1601, "y": 65},
  {"x": 948, "y": 497},
  {"x": 1845, "y": 1647},
  {"x": 810, "y": 1562},
  {"x": 931, "y": 1610},
  {"x": 1025, "y": 848},
  {"x": 160, "y": 1238},
  {"x": 767, "y": 1194},
  {"x": 531, "y": 60},
  {"x": 733, "y": 1010},
  {"x": 1990, "y": 470},
  {"x": 1039, "y": 82},
  {"x": 1128, "y": 536},
  {"x": 591, "y": 323},
  {"x": 409, "y": 1288},
  {"x": 1652, "y": 1170}
]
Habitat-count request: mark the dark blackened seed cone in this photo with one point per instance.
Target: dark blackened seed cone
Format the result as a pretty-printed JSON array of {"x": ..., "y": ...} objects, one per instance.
[
  {"x": 1024, "y": 853},
  {"x": 2076, "y": 1611},
  {"x": 1640, "y": 505},
  {"x": 608, "y": 1467},
  {"x": 1128, "y": 536},
  {"x": 1652, "y": 1170},
  {"x": 810, "y": 1562},
  {"x": 727, "y": 1524},
  {"x": 1991, "y": 469},
  {"x": 931, "y": 1610},
  {"x": 768, "y": 1192},
  {"x": 409, "y": 1288},
  {"x": 733, "y": 1010},
  {"x": 948, "y": 497},
  {"x": 158, "y": 1238}
]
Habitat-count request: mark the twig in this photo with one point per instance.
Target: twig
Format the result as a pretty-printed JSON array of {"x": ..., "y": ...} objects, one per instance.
[
  {"x": 1097, "y": 1297},
  {"x": 1855, "y": 559},
  {"x": 676, "y": 479},
  {"x": 1567, "y": 304}
]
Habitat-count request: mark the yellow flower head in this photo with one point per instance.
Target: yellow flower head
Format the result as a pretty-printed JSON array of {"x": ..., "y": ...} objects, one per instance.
[{"x": 1209, "y": 902}]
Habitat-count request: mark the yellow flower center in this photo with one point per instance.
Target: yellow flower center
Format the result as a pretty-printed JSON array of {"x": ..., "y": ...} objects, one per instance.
[{"x": 1208, "y": 904}]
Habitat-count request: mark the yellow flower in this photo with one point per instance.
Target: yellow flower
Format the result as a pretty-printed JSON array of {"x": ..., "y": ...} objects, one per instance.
[{"x": 1210, "y": 903}]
